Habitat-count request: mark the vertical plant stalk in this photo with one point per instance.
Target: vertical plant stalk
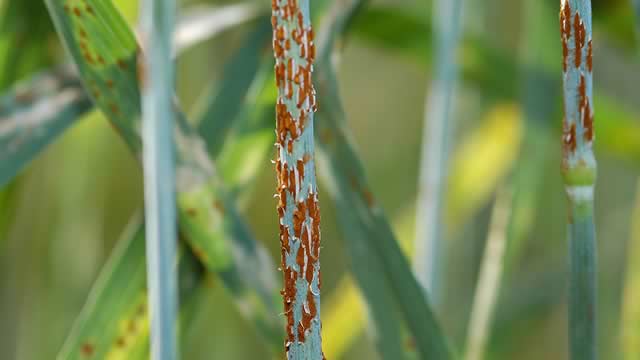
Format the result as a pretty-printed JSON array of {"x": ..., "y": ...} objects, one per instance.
[
  {"x": 298, "y": 210},
  {"x": 630, "y": 309},
  {"x": 636, "y": 8},
  {"x": 435, "y": 148},
  {"x": 159, "y": 168},
  {"x": 488, "y": 285},
  {"x": 579, "y": 172}
]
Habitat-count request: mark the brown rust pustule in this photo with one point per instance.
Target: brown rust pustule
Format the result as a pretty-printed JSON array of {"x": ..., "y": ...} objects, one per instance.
[
  {"x": 587, "y": 123},
  {"x": 579, "y": 37},
  {"x": 568, "y": 139},
  {"x": 297, "y": 207},
  {"x": 589, "y": 57},
  {"x": 87, "y": 349},
  {"x": 565, "y": 33}
]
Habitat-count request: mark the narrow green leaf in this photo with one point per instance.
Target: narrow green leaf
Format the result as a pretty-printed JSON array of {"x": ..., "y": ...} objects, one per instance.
[
  {"x": 208, "y": 217},
  {"x": 370, "y": 239},
  {"x": 24, "y": 31},
  {"x": 26, "y": 139},
  {"x": 489, "y": 278},
  {"x": 496, "y": 73},
  {"x": 630, "y": 319},
  {"x": 430, "y": 258},
  {"x": 224, "y": 105},
  {"x": 118, "y": 294},
  {"x": 33, "y": 114},
  {"x": 114, "y": 322}
]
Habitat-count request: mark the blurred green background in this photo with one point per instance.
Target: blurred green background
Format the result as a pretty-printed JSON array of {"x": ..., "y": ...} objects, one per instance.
[{"x": 61, "y": 217}]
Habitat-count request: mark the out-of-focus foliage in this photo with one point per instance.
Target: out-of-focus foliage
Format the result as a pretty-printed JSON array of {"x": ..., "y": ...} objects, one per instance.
[{"x": 61, "y": 217}]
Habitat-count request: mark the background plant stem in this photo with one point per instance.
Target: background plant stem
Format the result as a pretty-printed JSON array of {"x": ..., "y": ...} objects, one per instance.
[
  {"x": 430, "y": 245},
  {"x": 157, "y": 22}
]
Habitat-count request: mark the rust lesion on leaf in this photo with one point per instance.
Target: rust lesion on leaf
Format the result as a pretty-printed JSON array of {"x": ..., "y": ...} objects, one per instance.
[{"x": 87, "y": 349}]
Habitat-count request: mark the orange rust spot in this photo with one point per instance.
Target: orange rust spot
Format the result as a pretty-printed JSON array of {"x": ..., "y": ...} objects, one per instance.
[
  {"x": 192, "y": 212},
  {"x": 131, "y": 327},
  {"x": 142, "y": 309},
  {"x": 141, "y": 71},
  {"x": 89, "y": 58},
  {"x": 569, "y": 139},
  {"x": 121, "y": 342},
  {"x": 301, "y": 331},
  {"x": 587, "y": 123},
  {"x": 219, "y": 206},
  {"x": 300, "y": 167},
  {"x": 582, "y": 91},
  {"x": 101, "y": 60},
  {"x": 90, "y": 10},
  {"x": 82, "y": 33},
  {"x": 96, "y": 93},
  {"x": 76, "y": 11},
  {"x": 122, "y": 64},
  {"x": 114, "y": 109},
  {"x": 87, "y": 349},
  {"x": 565, "y": 17},
  {"x": 299, "y": 217},
  {"x": 312, "y": 52},
  {"x": 109, "y": 83},
  {"x": 368, "y": 196},
  {"x": 200, "y": 254},
  {"x": 579, "y": 38},
  {"x": 66, "y": 8}
]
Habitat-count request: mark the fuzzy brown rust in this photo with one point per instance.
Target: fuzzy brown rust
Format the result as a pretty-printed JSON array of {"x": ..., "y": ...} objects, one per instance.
[
  {"x": 577, "y": 65},
  {"x": 298, "y": 211}
]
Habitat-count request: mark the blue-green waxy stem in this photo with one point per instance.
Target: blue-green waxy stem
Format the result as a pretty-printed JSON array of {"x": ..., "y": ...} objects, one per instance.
[
  {"x": 298, "y": 210},
  {"x": 159, "y": 179},
  {"x": 435, "y": 148},
  {"x": 579, "y": 172}
]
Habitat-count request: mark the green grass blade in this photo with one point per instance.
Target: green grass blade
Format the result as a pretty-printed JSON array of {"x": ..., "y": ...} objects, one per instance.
[
  {"x": 297, "y": 191},
  {"x": 579, "y": 172},
  {"x": 158, "y": 161},
  {"x": 224, "y": 105},
  {"x": 24, "y": 140},
  {"x": 489, "y": 279},
  {"x": 630, "y": 319},
  {"x": 33, "y": 114},
  {"x": 114, "y": 322},
  {"x": 430, "y": 255},
  {"x": 115, "y": 317},
  {"x": 208, "y": 217},
  {"x": 495, "y": 72},
  {"x": 24, "y": 31},
  {"x": 357, "y": 209},
  {"x": 374, "y": 241},
  {"x": 198, "y": 23},
  {"x": 636, "y": 7}
]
